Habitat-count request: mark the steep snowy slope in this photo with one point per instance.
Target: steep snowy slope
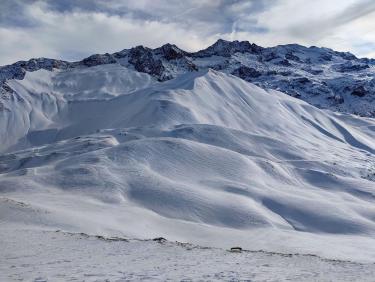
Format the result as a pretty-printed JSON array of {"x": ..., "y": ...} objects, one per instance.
[
  {"x": 206, "y": 158},
  {"x": 34, "y": 102}
]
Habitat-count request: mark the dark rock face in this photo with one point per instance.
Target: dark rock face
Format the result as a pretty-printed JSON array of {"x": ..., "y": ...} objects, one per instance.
[
  {"x": 350, "y": 67},
  {"x": 313, "y": 71},
  {"x": 359, "y": 91},
  {"x": 338, "y": 99},
  {"x": 326, "y": 57},
  {"x": 143, "y": 61},
  {"x": 226, "y": 48},
  {"x": 170, "y": 52},
  {"x": 367, "y": 61},
  {"x": 283, "y": 62},
  {"x": 290, "y": 56},
  {"x": 18, "y": 69},
  {"x": 152, "y": 61},
  {"x": 346, "y": 55},
  {"x": 12, "y": 72},
  {"x": 301, "y": 80},
  {"x": 246, "y": 73},
  {"x": 283, "y": 73},
  {"x": 41, "y": 63},
  {"x": 268, "y": 56},
  {"x": 97, "y": 59},
  {"x": 7, "y": 88}
]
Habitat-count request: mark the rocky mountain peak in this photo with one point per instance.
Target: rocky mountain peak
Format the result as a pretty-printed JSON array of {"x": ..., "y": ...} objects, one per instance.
[
  {"x": 227, "y": 48},
  {"x": 170, "y": 52},
  {"x": 318, "y": 75}
]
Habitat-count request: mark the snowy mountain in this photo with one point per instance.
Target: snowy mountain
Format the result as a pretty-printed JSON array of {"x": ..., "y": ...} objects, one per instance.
[
  {"x": 205, "y": 153},
  {"x": 320, "y": 76},
  {"x": 149, "y": 143}
]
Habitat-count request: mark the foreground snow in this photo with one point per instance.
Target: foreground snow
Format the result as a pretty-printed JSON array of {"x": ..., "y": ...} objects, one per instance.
[{"x": 35, "y": 255}]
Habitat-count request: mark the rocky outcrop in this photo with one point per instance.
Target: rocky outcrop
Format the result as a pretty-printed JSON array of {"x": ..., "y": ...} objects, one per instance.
[
  {"x": 246, "y": 73},
  {"x": 227, "y": 48},
  {"x": 97, "y": 59},
  {"x": 359, "y": 91}
]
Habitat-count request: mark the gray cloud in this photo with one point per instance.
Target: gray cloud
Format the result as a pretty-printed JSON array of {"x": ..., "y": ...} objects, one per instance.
[
  {"x": 12, "y": 13},
  {"x": 353, "y": 12},
  {"x": 216, "y": 15},
  {"x": 71, "y": 29},
  {"x": 205, "y": 16},
  {"x": 325, "y": 25}
]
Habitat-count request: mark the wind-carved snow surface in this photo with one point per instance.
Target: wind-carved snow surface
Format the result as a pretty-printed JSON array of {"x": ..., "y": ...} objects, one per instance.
[{"x": 205, "y": 158}]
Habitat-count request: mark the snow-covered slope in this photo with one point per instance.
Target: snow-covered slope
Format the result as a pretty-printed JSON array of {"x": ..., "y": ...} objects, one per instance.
[
  {"x": 206, "y": 158},
  {"x": 36, "y": 101}
]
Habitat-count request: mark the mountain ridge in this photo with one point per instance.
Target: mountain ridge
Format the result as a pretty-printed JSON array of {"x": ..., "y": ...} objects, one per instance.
[{"x": 321, "y": 76}]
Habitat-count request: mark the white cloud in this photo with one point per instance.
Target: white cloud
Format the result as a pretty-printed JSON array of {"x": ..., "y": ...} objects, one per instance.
[{"x": 77, "y": 34}]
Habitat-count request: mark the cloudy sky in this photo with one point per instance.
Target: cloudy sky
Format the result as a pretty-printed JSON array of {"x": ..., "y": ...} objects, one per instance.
[{"x": 73, "y": 29}]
